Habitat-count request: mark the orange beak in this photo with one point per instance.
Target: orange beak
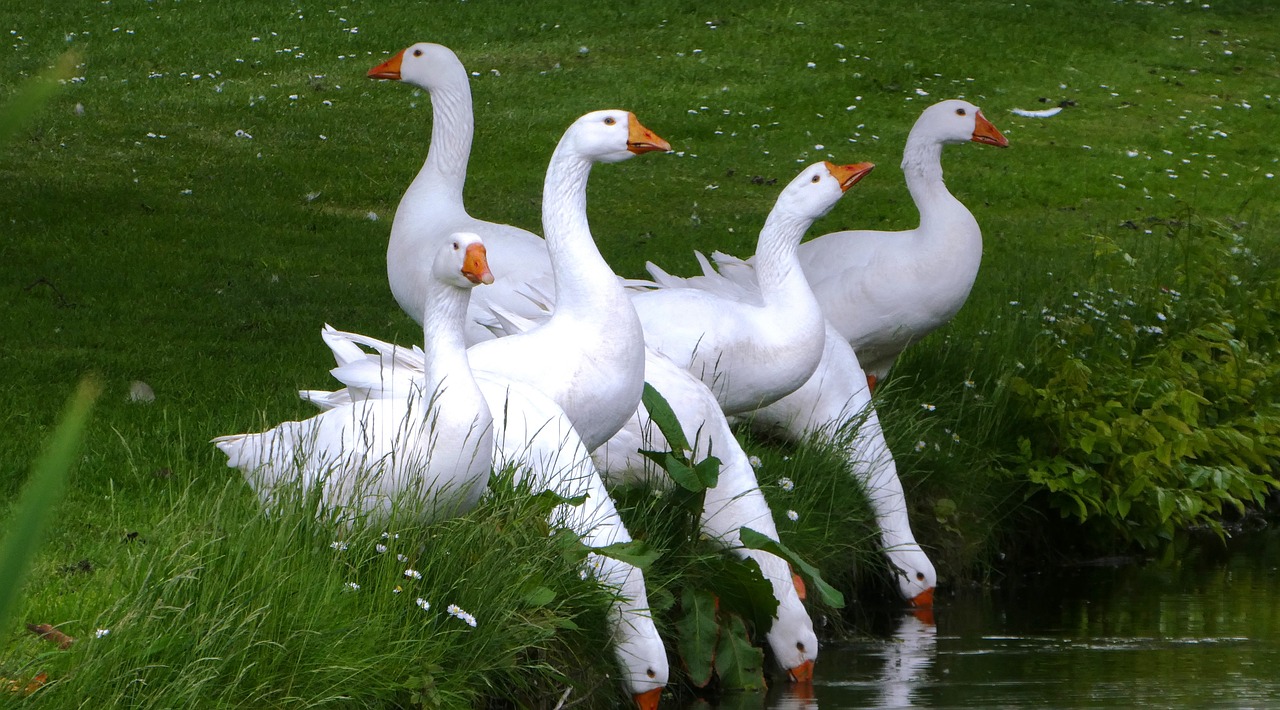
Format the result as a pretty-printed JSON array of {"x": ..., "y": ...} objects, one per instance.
[
  {"x": 802, "y": 673},
  {"x": 985, "y": 131},
  {"x": 648, "y": 700},
  {"x": 641, "y": 139},
  {"x": 849, "y": 175},
  {"x": 389, "y": 69},
  {"x": 923, "y": 599},
  {"x": 475, "y": 265}
]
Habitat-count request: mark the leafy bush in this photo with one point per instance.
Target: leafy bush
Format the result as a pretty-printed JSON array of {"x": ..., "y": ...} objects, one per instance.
[{"x": 1150, "y": 407}]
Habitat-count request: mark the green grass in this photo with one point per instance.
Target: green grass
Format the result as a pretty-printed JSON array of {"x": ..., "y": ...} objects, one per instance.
[{"x": 144, "y": 240}]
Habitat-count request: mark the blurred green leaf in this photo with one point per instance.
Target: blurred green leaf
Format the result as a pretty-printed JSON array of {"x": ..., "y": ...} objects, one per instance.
[
  {"x": 36, "y": 503},
  {"x": 33, "y": 95}
]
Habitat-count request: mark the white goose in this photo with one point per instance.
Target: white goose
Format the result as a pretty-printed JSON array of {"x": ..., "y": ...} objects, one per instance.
[
  {"x": 366, "y": 456},
  {"x": 534, "y": 434},
  {"x": 735, "y": 502},
  {"x": 531, "y": 433},
  {"x": 588, "y": 356},
  {"x": 751, "y": 353},
  {"x": 432, "y": 207},
  {"x": 885, "y": 290},
  {"x": 835, "y": 403}
]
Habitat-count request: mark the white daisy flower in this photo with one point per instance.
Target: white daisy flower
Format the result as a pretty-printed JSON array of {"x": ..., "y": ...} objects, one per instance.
[{"x": 457, "y": 612}]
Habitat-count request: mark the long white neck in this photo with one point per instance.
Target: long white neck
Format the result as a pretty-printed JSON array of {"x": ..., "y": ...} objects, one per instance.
[
  {"x": 453, "y": 124},
  {"x": 922, "y": 168},
  {"x": 582, "y": 277},
  {"x": 444, "y": 347},
  {"x": 777, "y": 268}
]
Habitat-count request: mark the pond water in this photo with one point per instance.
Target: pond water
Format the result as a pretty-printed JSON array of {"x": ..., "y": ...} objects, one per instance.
[{"x": 1203, "y": 632}]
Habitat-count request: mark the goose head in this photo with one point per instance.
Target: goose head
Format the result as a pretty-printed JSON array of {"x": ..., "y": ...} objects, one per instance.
[
  {"x": 793, "y": 642},
  {"x": 611, "y": 136},
  {"x": 462, "y": 261},
  {"x": 425, "y": 65},
  {"x": 818, "y": 187},
  {"x": 644, "y": 663},
  {"x": 957, "y": 121},
  {"x": 916, "y": 575}
]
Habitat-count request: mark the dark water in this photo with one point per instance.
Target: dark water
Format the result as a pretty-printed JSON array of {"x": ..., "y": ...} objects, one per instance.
[{"x": 1203, "y": 632}]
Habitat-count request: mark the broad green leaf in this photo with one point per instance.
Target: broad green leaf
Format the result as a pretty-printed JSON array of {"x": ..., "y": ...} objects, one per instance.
[
  {"x": 739, "y": 663},
  {"x": 551, "y": 500},
  {"x": 1122, "y": 506},
  {"x": 636, "y": 552},
  {"x": 684, "y": 475},
  {"x": 539, "y": 596},
  {"x": 698, "y": 633},
  {"x": 660, "y": 599},
  {"x": 40, "y": 495},
  {"x": 744, "y": 591},
  {"x": 753, "y": 540},
  {"x": 708, "y": 471},
  {"x": 1166, "y": 503},
  {"x": 570, "y": 545},
  {"x": 664, "y": 418}
]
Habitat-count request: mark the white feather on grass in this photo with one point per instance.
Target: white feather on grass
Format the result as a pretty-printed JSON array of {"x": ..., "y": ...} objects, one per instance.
[{"x": 1044, "y": 113}]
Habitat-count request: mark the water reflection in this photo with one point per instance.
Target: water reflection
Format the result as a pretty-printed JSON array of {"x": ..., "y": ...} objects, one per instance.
[
  {"x": 908, "y": 656},
  {"x": 1201, "y": 632},
  {"x": 874, "y": 672}
]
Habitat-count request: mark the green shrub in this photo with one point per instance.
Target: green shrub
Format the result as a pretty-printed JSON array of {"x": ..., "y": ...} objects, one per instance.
[{"x": 1151, "y": 407}]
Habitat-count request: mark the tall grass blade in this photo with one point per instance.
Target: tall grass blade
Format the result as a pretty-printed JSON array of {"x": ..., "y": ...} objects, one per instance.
[{"x": 35, "y": 506}]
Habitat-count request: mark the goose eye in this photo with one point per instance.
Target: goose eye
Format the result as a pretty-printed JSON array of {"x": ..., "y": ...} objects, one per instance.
[
  {"x": 816, "y": 178},
  {"x": 960, "y": 112},
  {"x": 651, "y": 673},
  {"x": 610, "y": 120},
  {"x": 417, "y": 52},
  {"x": 920, "y": 576},
  {"x": 800, "y": 646},
  {"x": 455, "y": 246}
]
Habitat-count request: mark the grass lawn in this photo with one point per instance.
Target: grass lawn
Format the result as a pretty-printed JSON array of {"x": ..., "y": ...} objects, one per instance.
[{"x": 217, "y": 181}]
